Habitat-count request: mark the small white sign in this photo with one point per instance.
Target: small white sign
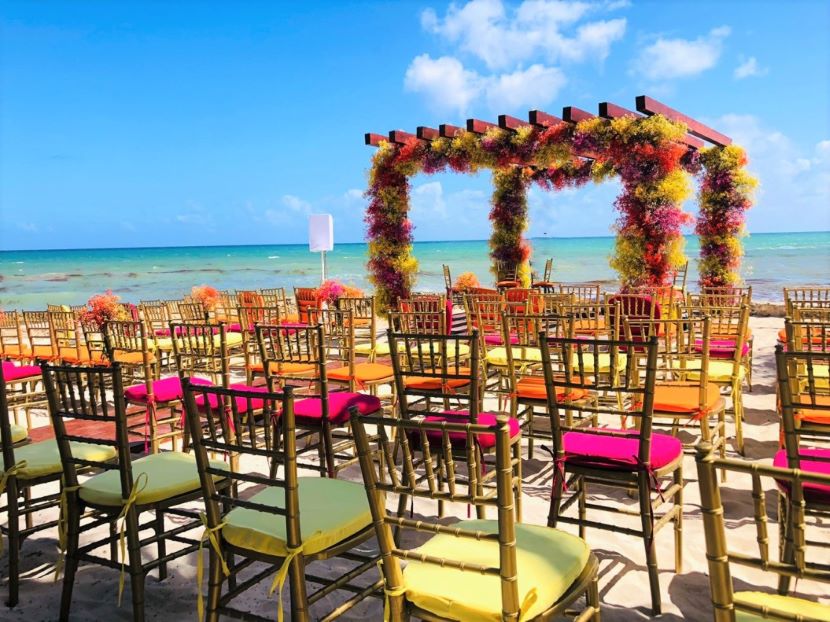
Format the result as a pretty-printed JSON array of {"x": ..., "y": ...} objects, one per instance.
[{"x": 320, "y": 233}]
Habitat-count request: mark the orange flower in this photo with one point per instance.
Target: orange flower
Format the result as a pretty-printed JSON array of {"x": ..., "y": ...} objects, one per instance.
[
  {"x": 466, "y": 280},
  {"x": 206, "y": 295}
]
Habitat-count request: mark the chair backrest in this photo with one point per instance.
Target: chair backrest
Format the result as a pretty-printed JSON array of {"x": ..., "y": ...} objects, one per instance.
[
  {"x": 202, "y": 349},
  {"x": 338, "y": 335},
  {"x": 432, "y": 365},
  {"x": 593, "y": 319},
  {"x": 94, "y": 340},
  {"x": 796, "y": 295},
  {"x": 804, "y": 392},
  {"x": 447, "y": 277},
  {"x": 6, "y": 447},
  {"x": 288, "y": 353},
  {"x": 486, "y": 315},
  {"x": 12, "y": 343},
  {"x": 173, "y": 309},
  {"x": 811, "y": 331},
  {"x": 403, "y": 472},
  {"x": 249, "y": 317},
  {"x": 426, "y": 322},
  {"x": 193, "y": 312},
  {"x": 544, "y": 303},
  {"x": 505, "y": 271},
  {"x": 156, "y": 317},
  {"x": 678, "y": 277},
  {"x": 218, "y": 428},
  {"x": 227, "y": 307},
  {"x": 80, "y": 394},
  {"x": 582, "y": 292},
  {"x": 39, "y": 332},
  {"x": 363, "y": 313},
  {"x": 634, "y": 306},
  {"x": 569, "y": 366},
  {"x": 306, "y": 298},
  {"x": 719, "y": 555},
  {"x": 66, "y": 333},
  {"x": 422, "y": 303}
]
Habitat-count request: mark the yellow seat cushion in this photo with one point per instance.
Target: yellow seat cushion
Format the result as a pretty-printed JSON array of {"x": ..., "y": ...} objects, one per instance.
[
  {"x": 784, "y": 604},
  {"x": 231, "y": 340},
  {"x": 331, "y": 510},
  {"x": 169, "y": 474},
  {"x": 498, "y": 356},
  {"x": 463, "y": 350},
  {"x": 134, "y": 358},
  {"x": 18, "y": 433},
  {"x": 365, "y": 349},
  {"x": 44, "y": 458},
  {"x": 603, "y": 359},
  {"x": 548, "y": 562},
  {"x": 719, "y": 371}
]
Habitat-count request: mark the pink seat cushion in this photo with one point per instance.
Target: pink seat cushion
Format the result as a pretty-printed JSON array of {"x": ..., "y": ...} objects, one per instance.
[
  {"x": 164, "y": 390},
  {"x": 236, "y": 327},
  {"x": 813, "y": 493},
  {"x": 241, "y": 402},
  {"x": 165, "y": 332},
  {"x": 495, "y": 339},
  {"x": 459, "y": 439},
  {"x": 721, "y": 348},
  {"x": 13, "y": 373},
  {"x": 617, "y": 452},
  {"x": 310, "y": 410}
]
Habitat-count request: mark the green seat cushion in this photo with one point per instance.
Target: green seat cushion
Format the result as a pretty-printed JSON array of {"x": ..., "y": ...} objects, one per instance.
[
  {"x": 381, "y": 348},
  {"x": 521, "y": 354},
  {"x": 169, "y": 475},
  {"x": 548, "y": 562},
  {"x": 44, "y": 458},
  {"x": 719, "y": 371},
  {"x": 18, "y": 433},
  {"x": 784, "y": 604},
  {"x": 331, "y": 510}
]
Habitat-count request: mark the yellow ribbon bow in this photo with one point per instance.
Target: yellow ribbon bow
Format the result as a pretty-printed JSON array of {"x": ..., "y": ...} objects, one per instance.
[
  {"x": 4, "y": 478},
  {"x": 209, "y": 533},
  {"x": 387, "y": 593},
  {"x": 282, "y": 573},
  {"x": 138, "y": 486},
  {"x": 62, "y": 535}
]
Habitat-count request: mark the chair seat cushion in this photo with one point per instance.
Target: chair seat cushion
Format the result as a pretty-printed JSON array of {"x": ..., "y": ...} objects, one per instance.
[
  {"x": 169, "y": 475},
  {"x": 462, "y": 348},
  {"x": 281, "y": 368},
  {"x": 241, "y": 402},
  {"x": 310, "y": 410},
  {"x": 84, "y": 357},
  {"x": 16, "y": 351},
  {"x": 619, "y": 452},
  {"x": 721, "y": 348},
  {"x": 548, "y": 561},
  {"x": 365, "y": 348},
  {"x": 231, "y": 340},
  {"x": 534, "y": 388},
  {"x": 331, "y": 510},
  {"x": 44, "y": 459},
  {"x": 813, "y": 493},
  {"x": 18, "y": 433},
  {"x": 496, "y": 339},
  {"x": 791, "y": 605},
  {"x": 685, "y": 398},
  {"x": 508, "y": 283},
  {"x": 521, "y": 354},
  {"x": 603, "y": 360},
  {"x": 814, "y": 415},
  {"x": 459, "y": 439},
  {"x": 420, "y": 383},
  {"x": 18, "y": 373},
  {"x": 164, "y": 390},
  {"x": 719, "y": 371},
  {"x": 363, "y": 372},
  {"x": 134, "y": 358}
]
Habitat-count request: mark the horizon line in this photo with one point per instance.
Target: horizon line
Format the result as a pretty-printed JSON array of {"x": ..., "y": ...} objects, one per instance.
[{"x": 542, "y": 237}]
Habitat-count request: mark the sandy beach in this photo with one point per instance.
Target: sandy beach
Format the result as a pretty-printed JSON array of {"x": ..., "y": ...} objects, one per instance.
[{"x": 623, "y": 579}]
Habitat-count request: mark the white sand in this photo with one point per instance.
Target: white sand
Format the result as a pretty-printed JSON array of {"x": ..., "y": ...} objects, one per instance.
[{"x": 623, "y": 579}]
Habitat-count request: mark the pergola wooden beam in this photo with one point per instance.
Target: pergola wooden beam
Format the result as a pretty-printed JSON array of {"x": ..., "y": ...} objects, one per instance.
[
  {"x": 651, "y": 106},
  {"x": 400, "y": 137},
  {"x": 607, "y": 110},
  {"x": 374, "y": 140},
  {"x": 479, "y": 127},
  {"x": 427, "y": 133},
  {"x": 450, "y": 131},
  {"x": 537, "y": 117},
  {"x": 506, "y": 122},
  {"x": 572, "y": 114}
]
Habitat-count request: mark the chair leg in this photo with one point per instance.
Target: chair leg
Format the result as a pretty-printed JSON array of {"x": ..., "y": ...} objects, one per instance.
[
  {"x": 162, "y": 544},
  {"x": 738, "y": 409},
  {"x": 647, "y": 521},
  {"x": 214, "y": 587},
  {"x": 14, "y": 542},
  {"x": 678, "y": 522},
  {"x": 328, "y": 449},
  {"x": 555, "y": 498},
  {"x": 70, "y": 566},
  {"x": 581, "y": 504},
  {"x": 592, "y": 598},
  {"x": 27, "y": 496},
  {"x": 785, "y": 541},
  {"x": 135, "y": 565},
  {"x": 299, "y": 599}
]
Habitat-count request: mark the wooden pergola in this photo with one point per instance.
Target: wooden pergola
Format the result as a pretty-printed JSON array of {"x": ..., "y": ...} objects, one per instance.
[{"x": 696, "y": 137}]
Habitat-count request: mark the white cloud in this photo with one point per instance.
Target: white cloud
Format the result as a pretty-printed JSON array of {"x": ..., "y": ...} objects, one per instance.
[
  {"x": 749, "y": 68},
  {"x": 296, "y": 204},
  {"x": 681, "y": 58},
  {"x": 28, "y": 227},
  {"x": 444, "y": 81},
  {"x": 794, "y": 189},
  {"x": 537, "y": 85},
  {"x": 427, "y": 200}
]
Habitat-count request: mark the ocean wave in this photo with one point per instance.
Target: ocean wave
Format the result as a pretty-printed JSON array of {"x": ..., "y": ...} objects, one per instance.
[{"x": 273, "y": 256}]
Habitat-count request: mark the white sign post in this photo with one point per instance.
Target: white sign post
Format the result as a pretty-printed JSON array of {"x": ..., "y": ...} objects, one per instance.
[{"x": 321, "y": 237}]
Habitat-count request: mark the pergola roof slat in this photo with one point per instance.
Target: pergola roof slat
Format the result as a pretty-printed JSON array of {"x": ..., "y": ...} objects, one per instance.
[
  {"x": 651, "y": 106},
  {"x": 479, "y": 127},
  {"x": 427, "y": 133},
  {"x": 449, "y": 131},
  {"x": 374, "y": 140},
  {"x": 507, "y": 122},
  {"x": 607, "y": 110},
  {"x": 400, "y": 137},
  {"x": 572, "y": 114},
  {"x": 537, "y": 117}
]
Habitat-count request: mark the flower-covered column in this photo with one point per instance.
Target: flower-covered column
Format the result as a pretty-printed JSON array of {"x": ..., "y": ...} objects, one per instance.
[
  {"x": 509, "y": 218},
  {"x": 725, "y": 195}
]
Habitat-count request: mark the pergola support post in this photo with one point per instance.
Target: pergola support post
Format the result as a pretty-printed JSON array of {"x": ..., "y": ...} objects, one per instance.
[{"x": 509, "y": 215}]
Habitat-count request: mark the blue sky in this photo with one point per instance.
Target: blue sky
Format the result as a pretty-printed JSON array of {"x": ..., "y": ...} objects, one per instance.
[{"x": 167, "y": 123}]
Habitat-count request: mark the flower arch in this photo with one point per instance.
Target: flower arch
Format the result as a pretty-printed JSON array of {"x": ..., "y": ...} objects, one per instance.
[{"x": 653, "y": 156}]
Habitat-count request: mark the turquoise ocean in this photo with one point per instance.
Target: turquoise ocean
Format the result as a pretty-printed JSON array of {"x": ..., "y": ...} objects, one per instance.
[{"x": 30, "y": 279}]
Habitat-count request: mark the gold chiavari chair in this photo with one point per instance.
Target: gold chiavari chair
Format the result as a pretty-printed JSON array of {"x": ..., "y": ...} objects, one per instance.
[
  {"x": 39, "y": 334},
  {"x": 69, "y": 343},
  {"x": 158, "y": 484},
  {"x": 732, "y": 606},
  {"x": 286, "y": 523},
  {"x": 364, "y": 319},
  {"x": 545, "y": 303},
  {"x": 805, "y": 297},
  {"x": 427, "y": 322},
  {"x": 582, "y": 292},
  {"x": 306, "y": 299},
  {"x": 13, "y": 345},
  {"x": 477, "y": 569},
  {"x": 297, "y": 355},
  {"x": 249, "y": 318},
  {"x": 173, "y": 309},
  {"x": 29, "y": 468},
  {"x": 156, "y": 318},
  {"x": 679, "y": 276},
  {"x": 193, "y": 312},
  {"x": 507, "y": 275},
  {"x": 339, "y": 337},
  {"x": 272, "y": 296},
  {"x": 804, "y": 390},
  {"x": 545, "y": 284},
  {"x": 23, "y": 391},
  {"x": 629, "y": 459}
]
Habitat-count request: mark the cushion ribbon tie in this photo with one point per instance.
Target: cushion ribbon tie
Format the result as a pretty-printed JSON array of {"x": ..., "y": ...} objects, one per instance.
[
  {"x": 62, "y": 535},
  {"x": 138, "y": 486},
  {"x": 209, "y": 534},
  {"x": 279, "y": 579},
  {"x": 387, "y": 593},
  {"x": 150, "y": 412},
  {"x": 4, "y": 478}
]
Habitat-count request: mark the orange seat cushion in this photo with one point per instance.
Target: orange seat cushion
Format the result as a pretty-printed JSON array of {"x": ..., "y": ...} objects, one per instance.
[
  {"x": 363, "y": 372},
  {"x": 685, "y": 398},
  {"x": 83, "y": 357},
  {"x": 811, "y": 414},
  {"x": 533, "y": 388},
  {"x": 134, "y": 358},
  {"x": 16, "y": 351},
  {"x": 283, "y": 368},
  {"x": 420, "y": 383}
]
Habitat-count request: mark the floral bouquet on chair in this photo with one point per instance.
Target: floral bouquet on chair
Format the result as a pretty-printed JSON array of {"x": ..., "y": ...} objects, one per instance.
[
  {"x": 105, "y": 308},
  {"x": 466, "y": 281},
  {"x": 331, "y": 290},
  {"x": 206, "y": 295}
]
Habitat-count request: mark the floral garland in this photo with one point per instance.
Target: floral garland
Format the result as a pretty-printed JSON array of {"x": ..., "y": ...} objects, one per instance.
[
  {"x": 645, "y": 152},
  {"x": 725, "y": 194}
]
